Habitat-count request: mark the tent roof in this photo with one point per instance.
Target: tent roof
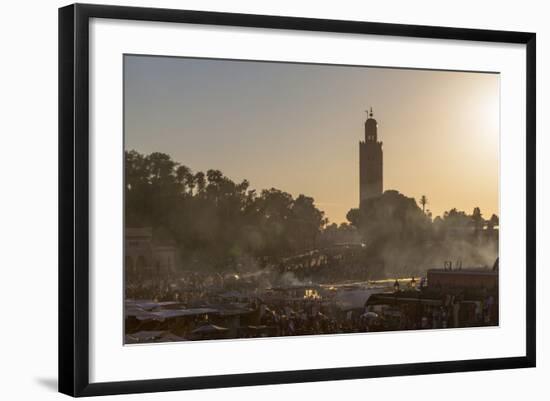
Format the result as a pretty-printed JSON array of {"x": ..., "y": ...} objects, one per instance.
[{"x": 209, "y": 328}]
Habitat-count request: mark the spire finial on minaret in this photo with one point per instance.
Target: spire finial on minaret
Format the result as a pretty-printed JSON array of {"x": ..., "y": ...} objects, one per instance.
[{"x": 370, "y": 115}]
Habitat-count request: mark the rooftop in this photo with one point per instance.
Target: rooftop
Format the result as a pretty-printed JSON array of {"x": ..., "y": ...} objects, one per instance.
[{"x": 468, "y": 271}]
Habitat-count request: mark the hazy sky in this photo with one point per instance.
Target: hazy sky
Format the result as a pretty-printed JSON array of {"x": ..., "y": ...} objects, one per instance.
[{"x": 297, "y": 127}]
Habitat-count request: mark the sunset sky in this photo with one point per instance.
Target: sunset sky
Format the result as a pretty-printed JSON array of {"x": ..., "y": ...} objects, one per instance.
[{"x": 297, "y": 127}]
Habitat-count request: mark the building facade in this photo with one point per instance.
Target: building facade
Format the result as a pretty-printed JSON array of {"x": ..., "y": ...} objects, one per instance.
[
  {"x": 461, "y": 279},
  {"x": 370, "y": 161},
  {"x": 146, "y": 258}
]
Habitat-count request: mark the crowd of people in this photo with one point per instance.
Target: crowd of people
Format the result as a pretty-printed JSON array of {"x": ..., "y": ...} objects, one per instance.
[{"x": 248, "y": 306}]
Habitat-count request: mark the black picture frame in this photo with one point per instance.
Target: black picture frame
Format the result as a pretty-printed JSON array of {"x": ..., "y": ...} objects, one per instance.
[{"x": 74, "y": 198}]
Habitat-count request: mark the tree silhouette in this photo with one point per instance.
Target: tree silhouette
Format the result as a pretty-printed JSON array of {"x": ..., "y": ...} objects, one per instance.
[
  {"x": 388, "y": 217},
  {"x": 492, "y": 222},
  {"x": 423, "y": 202},
  {"x": 477, "y": 219}
]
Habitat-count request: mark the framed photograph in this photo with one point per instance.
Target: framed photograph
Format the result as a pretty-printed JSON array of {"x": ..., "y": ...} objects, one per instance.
[{"x": 251, "y": 199}]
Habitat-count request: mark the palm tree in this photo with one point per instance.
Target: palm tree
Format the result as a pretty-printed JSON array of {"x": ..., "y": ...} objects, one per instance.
[{"x": 423, "y": 202}]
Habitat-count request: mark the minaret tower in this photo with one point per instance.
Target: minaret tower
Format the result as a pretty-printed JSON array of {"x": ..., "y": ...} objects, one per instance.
[{"x": 370, "y": 161}]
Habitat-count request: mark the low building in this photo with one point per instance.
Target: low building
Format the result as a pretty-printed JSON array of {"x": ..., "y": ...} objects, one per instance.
[
  {"x": 146, "y": 258},
  {"x": 452, "y": 298},
  {"x": 471, "y": 279}
]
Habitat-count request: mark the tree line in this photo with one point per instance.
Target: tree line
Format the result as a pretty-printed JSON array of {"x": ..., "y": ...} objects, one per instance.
[
  {"x": 216, "y": 222},
  {"x": 401, "y": 234},
  {"x": 221, "y": 224}
]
